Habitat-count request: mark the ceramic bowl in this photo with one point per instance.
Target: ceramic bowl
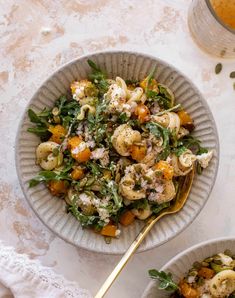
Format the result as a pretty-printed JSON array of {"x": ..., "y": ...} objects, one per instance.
[
  {"x": 128, "y": 65},
  {"x": 181, "y": 263}
]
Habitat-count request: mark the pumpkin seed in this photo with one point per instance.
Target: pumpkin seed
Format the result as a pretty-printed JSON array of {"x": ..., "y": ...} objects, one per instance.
[
  {"x": 218, "y": 262},
  {"x": 55, "y": 111},
  {"x": 218, "y": 68},
  {"x": 208, "y": 260},
  {"x": 201, "y": 281},
  {"x": 197, "y": 265},
  {"x": 228, "y": 252},
  {"x": 232, "y": 75}
]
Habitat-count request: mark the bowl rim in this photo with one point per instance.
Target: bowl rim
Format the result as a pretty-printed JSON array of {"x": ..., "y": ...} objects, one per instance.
[
  {"x": 116, "y": 52},
  {"x": 196, "y": 247},
  {"x": 184, "y": 253}
]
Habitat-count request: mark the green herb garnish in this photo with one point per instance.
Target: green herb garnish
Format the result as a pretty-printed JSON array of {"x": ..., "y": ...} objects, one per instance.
[
  {"x": 165, "y": 280},
  {"x": 98, "y": 77},
  {"x": 158, "y": 208}
]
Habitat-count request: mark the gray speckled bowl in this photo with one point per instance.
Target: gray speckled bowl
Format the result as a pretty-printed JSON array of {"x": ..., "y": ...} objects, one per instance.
[
  {"x": 128, "y": 65},
  {"x": 181, "y": 263}
]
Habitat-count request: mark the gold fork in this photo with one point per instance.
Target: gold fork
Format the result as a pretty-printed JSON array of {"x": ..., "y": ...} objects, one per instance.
[{"x": 182, "y": 195}]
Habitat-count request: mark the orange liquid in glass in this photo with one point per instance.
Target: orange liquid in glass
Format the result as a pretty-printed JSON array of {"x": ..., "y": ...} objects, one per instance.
[{"x": 225, "y": 10}]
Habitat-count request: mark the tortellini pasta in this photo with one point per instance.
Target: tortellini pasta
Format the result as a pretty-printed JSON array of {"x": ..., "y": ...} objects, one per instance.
[
  {"x": 223, "y": 284},
  {"x": 128, "y": 182},
  {"x": 168, "y": 193},
  {"x": 83, "y": 111},
  {"x": 48, "y": 155},
  {"x": 123, "y": 137},
  {"x": 142, "y": 213},
  {"x": 170, "y": 120},
  {"x": 184, "y": 163}
]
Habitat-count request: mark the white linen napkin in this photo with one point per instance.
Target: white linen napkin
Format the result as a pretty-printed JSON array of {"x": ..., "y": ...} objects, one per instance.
[{"x": 21, "y": 277}]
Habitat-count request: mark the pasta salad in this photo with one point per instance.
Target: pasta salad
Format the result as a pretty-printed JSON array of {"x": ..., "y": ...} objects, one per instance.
[
  {"x": 214, "y": 277},
  {"x": 115, "y": 150}
]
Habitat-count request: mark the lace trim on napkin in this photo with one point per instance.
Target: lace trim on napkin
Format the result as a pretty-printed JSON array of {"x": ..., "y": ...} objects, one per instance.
[{"x": 32, "y": 272}]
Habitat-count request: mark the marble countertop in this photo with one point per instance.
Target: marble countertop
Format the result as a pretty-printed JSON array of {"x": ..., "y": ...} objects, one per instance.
[{"x": 37, "y": 37}]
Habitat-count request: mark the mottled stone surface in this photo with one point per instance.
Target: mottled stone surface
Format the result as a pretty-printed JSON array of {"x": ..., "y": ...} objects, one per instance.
[{"x": 38, "y": 36}]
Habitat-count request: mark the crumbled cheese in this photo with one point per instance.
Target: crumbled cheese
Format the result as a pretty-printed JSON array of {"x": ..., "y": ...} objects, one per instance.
[
  {"x": 144, "y": 183},
  {"x": 114, "y": 118},
  {"x": 82, "y": 146},
  {"x": 155, "y": 108},
  {"x": 226, "y": 260},
  {"x": 133, "y": 105},
  {"x": 105, "y": 159},
  {"x": 96, "y": 202},
  {"x": 126, "y": 202},
  {"x": 153, "y": 196},
  {"x": 182, "y": 132},
  {"x": 205, "y": 158},
  {"x": 126, "y": 106},
  {"x": 85, "y": 199},
  {"x": 90, "y": 144},
  {"x": 104, "y": 214},
  {"x": 150, "y": 173},
  {"x": 191, "y": 279},
  {"x": 110, "y": 183},
  {"x": 117, "y": 92},
  {"x": 97, "y": 153},
  {"x": 79, "y": 92},
  {"x": 159, "y": 188},
  {"x": 206, "y": 295},
  {"x": 117, "y": 233},
  {"x": 80, "y": 129}
]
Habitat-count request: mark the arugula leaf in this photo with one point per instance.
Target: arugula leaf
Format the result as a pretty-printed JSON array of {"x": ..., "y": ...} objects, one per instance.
[
  {"x": 94, "y": 168},
  {"x": 164, "y": 103},
  {"x": 193, "y": 144},
  {"x": 165, "y": 279},
  {"x": 150, "y": 78},
  {"x": 110, "y": 188},
  {"x": 98, "y": 77},
  {"x": 159, "y": 131},
  {"x": 95, "y": 122},
  {"x": 134, "y": 83},
  {"x": 33, "y": 117},
  {"x": 42, "y": 177},
  {"x": 113, "y": 190},
  {"x": 154, "y": 129},
  {"x": 179, "y": 150},
  {"x": 42, "y": 132},
  {"x": 39, "y": 118},
  {"x": 60, "y": 103},
  {"x": 45, "y": 113},
  {"x": 169, "y": 110},
  {"x": 41, "y": 128},
  {"x": 157, "y": 208},
  {"x": 85, "y": 220},
  {"x": 123, "y": 118},
  {"x": 164, "y": 92},
  {"x": 140, "y": 204}
]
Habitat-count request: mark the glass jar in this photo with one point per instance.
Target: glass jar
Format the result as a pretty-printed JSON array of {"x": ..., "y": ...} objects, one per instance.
[{"x": 209, "y": 31}]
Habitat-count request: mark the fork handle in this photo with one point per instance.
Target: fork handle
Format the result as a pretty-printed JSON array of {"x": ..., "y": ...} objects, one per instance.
[{"x": 133, "y": 247}]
